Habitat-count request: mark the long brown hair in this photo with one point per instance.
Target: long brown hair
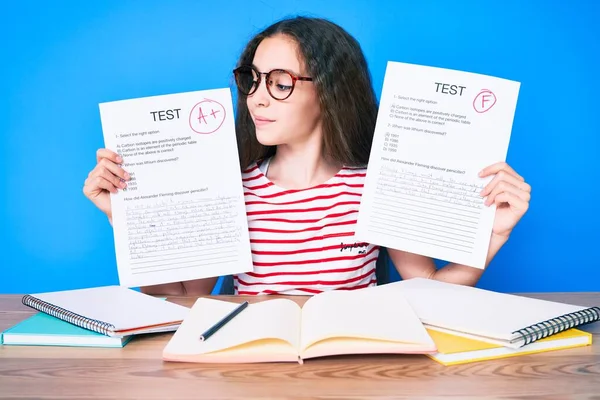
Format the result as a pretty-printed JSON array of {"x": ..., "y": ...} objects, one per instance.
[{"x": 335, "y": 61}]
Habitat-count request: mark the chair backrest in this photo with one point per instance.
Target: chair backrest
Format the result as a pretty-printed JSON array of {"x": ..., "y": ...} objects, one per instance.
[
  {"x": 382, "y": 272},
  {"x": 227, "y": 285},
  {"x": 382, "y": 267}
]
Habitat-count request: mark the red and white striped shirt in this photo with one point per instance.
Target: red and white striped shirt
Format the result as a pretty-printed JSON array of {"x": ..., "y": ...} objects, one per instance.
[{"x": 302, "y": 241}]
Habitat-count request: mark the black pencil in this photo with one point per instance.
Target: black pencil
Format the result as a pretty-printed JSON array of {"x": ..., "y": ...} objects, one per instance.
[{"x": 211, "y": 331}]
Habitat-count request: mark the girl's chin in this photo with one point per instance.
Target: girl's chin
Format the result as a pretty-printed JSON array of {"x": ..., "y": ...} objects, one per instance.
[{"x": 267, "y": 139}]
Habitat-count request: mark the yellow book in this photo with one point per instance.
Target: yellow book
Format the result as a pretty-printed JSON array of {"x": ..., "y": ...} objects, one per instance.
[{"x": 453, "y": 349}]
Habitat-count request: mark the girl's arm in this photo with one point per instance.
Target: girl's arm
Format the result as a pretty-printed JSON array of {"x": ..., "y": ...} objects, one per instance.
[
  {"x": 411, "y": 265},
  {"x": 511, "y": 194}
]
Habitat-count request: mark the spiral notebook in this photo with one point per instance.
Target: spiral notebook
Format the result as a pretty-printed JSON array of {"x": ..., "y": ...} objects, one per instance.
[
  {"x": 115, "y": 311},
  {"x": 493, "y": 317}
]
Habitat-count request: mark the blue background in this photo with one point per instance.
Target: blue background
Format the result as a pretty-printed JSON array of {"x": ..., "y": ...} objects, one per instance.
[{"x": 61, "y": 59}]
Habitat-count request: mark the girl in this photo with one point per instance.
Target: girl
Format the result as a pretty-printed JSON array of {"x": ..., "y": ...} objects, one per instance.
[{"x": 305, "y": 120}]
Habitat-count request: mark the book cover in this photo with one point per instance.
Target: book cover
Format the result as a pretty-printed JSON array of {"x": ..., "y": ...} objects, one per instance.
[
  {"x": 454, "y": 350},
  {"x": 44, "y": 330}
]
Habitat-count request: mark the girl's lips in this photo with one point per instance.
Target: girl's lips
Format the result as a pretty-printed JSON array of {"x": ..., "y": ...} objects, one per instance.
[{"x": 258, "y": 121}]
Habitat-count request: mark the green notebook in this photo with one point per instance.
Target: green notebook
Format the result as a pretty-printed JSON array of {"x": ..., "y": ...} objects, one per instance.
[{"x": 44, "y": 330}]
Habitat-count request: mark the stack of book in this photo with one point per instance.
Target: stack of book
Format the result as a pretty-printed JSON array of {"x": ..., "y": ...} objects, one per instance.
[
  {"x": 106, "y": 316},
  {"x": 452, "y": 324}
]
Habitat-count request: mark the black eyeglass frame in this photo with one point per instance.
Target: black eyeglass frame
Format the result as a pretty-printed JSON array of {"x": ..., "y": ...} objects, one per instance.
[{"x": 259, "y": 74}]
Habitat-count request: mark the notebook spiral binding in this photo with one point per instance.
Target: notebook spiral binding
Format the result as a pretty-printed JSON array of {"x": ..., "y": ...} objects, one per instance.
[
  {"x": 68, "y": 316},
  {"x": 555, "y": 325}
]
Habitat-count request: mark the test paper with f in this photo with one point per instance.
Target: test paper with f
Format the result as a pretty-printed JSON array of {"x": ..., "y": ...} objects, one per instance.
[
  {"x": 436, "y": 129},
  {"x": 182, "y": 216}
]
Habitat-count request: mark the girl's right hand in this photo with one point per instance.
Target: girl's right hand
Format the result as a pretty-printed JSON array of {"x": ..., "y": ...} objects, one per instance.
[{"x": 107, "y": 177}]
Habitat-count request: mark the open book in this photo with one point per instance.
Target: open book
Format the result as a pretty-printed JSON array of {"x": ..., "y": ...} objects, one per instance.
[
  {"x": 498, "y": 318},
  {"x": 279, "y": 330}
]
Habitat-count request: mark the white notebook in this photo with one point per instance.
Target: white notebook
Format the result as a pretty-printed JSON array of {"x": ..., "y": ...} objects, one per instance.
[
  {"x": 499, "y": 318},
  {"x": 111, "y": 310}
]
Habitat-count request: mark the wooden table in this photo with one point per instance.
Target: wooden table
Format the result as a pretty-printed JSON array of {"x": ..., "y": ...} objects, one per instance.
[{"x": 137, "y": 371}]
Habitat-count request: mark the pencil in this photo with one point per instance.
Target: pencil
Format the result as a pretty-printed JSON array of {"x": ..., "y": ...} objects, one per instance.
[{"x": 213, "y": 329}]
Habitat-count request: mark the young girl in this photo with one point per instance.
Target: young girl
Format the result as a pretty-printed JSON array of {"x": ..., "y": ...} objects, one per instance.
[{"x": 305, "y": 121}]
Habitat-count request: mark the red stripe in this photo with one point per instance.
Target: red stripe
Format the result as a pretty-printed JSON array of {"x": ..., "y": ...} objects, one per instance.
[
  {"x": 299, "y": 221},
  {"x": 314, "y": 291},
  {"x": 302, "y": 190},
  {"x": 317, "y": 261},
  {"x": 307, "y": 290},
  {"x": 361, "y": 175},
  {"x": 326, "y": 271},
  {"x": 251, "y": 178},
  {"x": 318, "y": 282},
  {"x": 303, "y": 210},
  {"x": 361, "y": 286},
  {"x": 314, "y": 228},
  {"x": 290, "y": 241},
  {"x": 266, "y": 185},
  {"x": 250, "y": 169},
  {"x": 248, "y": 203}
]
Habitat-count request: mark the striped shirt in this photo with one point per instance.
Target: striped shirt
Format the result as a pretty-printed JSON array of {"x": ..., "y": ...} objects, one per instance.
[{"x": 302, "y": 241}]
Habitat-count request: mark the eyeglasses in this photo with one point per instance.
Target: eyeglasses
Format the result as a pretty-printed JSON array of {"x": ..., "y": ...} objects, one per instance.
[{"x": 280, "y": 83}]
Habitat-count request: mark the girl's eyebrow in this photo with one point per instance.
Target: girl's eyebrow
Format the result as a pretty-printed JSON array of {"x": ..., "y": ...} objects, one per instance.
[{"x": 284, "y": 69}]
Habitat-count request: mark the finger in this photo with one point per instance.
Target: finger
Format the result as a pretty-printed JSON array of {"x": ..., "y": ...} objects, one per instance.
[
  {"x": 104, "y": 183},
  {"x": 112, "y": 178},
  {"x": 503, "y": 176},
  {"x": 495, "y": 168},
  {"x": 103, "y": 171},
  {"x": 108, "y": 154},
  {"x": 115, "y": 169},
  {"x": 96, "y": 184},
  {"x": 515, "y": 202},
  {"x": 505, "y": 187},
  {"x": 99, "y": 182}
]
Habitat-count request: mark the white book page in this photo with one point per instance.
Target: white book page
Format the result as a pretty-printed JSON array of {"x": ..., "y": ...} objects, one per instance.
[
  {"x": 436, "y": 129},
  {"x": 277, "y": 319},
  {"x": 182, "y": 216},
  {"x": 363, "y": 314}
]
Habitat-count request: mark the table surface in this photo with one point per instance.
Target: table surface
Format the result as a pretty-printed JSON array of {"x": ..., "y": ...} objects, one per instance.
[{"x": 137, "y": 370}]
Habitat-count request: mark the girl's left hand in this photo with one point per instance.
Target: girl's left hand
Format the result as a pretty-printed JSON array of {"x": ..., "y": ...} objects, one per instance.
[{"x": 511, "y": 194}]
